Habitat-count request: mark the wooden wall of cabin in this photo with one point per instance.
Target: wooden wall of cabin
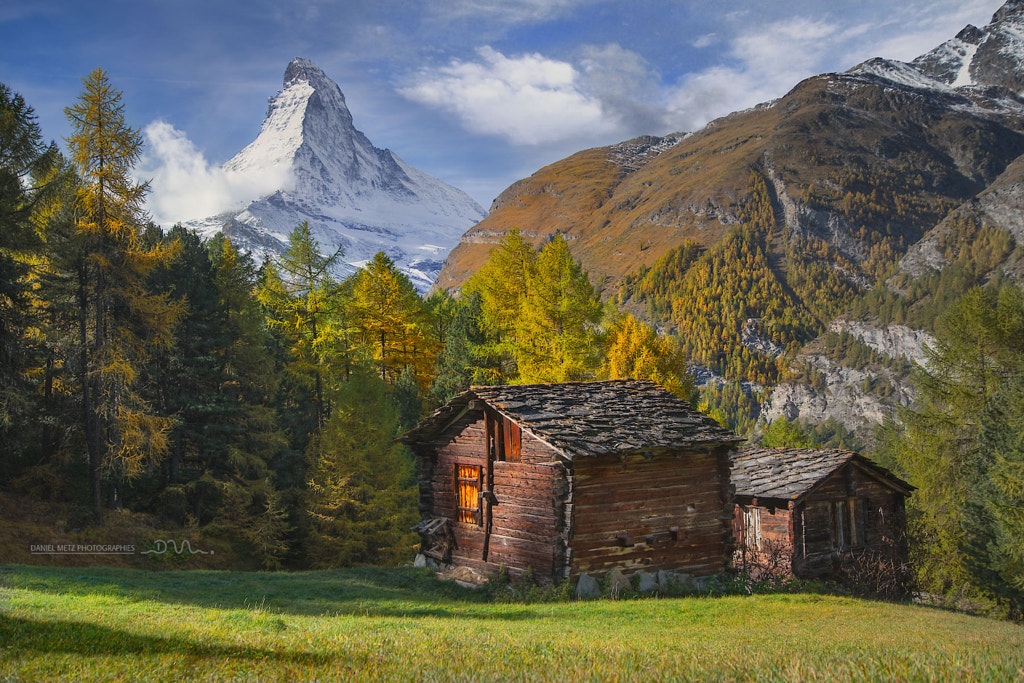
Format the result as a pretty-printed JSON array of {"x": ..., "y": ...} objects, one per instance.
[
  {"x": 527, "y": 515},
  {"x": 879, "y": 515},
  {"x": 773, "y": 551},
  {"x": 671, "y": 511}
]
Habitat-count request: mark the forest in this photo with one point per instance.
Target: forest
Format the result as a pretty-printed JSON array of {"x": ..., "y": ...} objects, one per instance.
[{"x": 158, "y": 372}]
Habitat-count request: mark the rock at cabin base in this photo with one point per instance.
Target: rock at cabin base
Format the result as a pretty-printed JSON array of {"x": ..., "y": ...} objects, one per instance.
[
  {"x": 618, "y": 583},
  {"x": 664, "y": 580},
  {"x": 421, "y": 561},
  {"x": 647, "y": 582},
  {"x": 587, "y": 587}
]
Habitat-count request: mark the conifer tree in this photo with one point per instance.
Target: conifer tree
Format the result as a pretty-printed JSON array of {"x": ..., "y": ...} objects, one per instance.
[
  {"x": 303, "y": 303},
  {"x": 502, "y": 284},
  {"x": 633, "y": 349},
  {"x": 559, "y": 338},
  {"x": 25, "y": 163},
  {"x": 119, "y": 322},
  {"x": 392, "y": 319},
  {"x": 361, "y": 494}
]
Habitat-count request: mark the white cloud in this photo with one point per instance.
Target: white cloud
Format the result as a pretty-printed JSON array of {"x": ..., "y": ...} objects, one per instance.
[
  {"x": 766, "y": 62},
  {"x": 706, "y": 40},
  {"x": 184, "y": 186},
  {"x": 528, "y": 99},
  {"x": 507, "y": 11}
]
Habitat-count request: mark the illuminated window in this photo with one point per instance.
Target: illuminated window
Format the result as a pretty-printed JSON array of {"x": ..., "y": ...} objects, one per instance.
[{"x": 467, "y": 491}]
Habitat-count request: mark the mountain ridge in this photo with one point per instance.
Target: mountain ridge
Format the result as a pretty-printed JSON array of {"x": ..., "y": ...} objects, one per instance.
[
  {"x": 857, "y": 168},
  {"x": 354, "y": 195}
]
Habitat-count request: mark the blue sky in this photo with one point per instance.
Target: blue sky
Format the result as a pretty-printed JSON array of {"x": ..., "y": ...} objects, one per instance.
[{"x": 478, "y": 93}]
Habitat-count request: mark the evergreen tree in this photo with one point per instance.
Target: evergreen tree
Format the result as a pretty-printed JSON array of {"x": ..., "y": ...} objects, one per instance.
[
  {"x": 361, "y": 497},
  {"x": 461, "y": 362},
  {"x": 940, "y": 444},
  {"x": 994, "y": 515},
  {"x": 25, "y": 168},
  {"x": 119, "y": 322}
]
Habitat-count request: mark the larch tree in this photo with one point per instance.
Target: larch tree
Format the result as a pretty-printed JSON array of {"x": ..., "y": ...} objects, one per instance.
[
  {"x": 303, "y": 300},
  {"x": 119, "y": 321},
  {"x": 559, "y": 339},
  {"x": 633, "y": 349},
  {"x": 502, "y": 284},
  {"x": 393, "y": 320}
]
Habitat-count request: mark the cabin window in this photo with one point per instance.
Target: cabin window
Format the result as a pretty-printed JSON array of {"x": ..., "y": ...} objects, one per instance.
[
  {"x": 467, "y": 492},
  {"x": 846, "y": 526},
  {"x": 752, "y": 528}
]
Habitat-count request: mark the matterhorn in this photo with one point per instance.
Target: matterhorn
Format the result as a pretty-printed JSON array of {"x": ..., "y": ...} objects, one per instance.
[{"x": 353, "y": 195}]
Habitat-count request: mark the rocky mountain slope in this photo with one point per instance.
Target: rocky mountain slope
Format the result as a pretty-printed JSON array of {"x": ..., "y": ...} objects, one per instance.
[
  {"x": 884, "y": 175},
  {"x": 354, "y": 195}
]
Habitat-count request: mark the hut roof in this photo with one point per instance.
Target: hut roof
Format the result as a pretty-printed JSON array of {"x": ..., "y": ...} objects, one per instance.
[
  {"x": 589, "y": 418},
  {"x": 788, "y": 473}
]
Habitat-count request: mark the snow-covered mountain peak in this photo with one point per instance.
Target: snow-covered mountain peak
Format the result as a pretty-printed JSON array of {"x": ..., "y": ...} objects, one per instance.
[
  {"x": 987, "y": 57},
  {"x": 354, "y": 195}
]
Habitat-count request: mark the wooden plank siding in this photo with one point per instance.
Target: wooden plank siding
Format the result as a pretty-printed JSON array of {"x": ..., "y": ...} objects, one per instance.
[
  {"x": 880, "y": 518},
  {"x": 646, "y": 498},
  {"x": 805, "y": 528},
  {"x": 528, "y": 515}
]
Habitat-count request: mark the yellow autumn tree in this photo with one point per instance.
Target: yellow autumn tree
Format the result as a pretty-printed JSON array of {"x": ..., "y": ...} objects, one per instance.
[
  {"x": 633, "y": 349},
  {"x": 119, "y": 321},
  {"x": 559, "y": 340},
  {"x": 392, "y": 320}
]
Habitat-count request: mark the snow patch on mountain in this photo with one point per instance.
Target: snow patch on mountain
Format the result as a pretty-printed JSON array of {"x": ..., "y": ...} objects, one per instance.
[{"x": 353, "y": 195}]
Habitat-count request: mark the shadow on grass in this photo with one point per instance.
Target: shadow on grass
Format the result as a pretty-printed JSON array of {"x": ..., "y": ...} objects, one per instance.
[
  {"x": 372, "y": 591},
  {"x": 28, "y": 636}
]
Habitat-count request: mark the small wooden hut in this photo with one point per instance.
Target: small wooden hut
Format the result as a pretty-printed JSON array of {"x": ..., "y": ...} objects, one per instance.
[
  {"x": 561, "y": 479},
  {"x": 807, "y": 511}
]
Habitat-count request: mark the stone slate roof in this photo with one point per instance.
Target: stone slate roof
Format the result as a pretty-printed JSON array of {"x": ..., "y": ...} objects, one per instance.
[
  {"x": 590, "y": 418},
  {"x": 788, "y": 473}
]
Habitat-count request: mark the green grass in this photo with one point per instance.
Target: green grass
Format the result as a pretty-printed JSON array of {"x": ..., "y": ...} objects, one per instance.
[{"x": 403, "y": 624}]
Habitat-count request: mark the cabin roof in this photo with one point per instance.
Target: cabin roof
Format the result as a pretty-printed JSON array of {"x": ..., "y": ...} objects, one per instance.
[
  {"x": 589, "y": 418},
  {"x": 788, "y": 473}
]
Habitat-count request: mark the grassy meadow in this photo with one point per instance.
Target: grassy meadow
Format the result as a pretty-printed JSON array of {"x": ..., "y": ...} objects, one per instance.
[{"x": 404, "y": 624}]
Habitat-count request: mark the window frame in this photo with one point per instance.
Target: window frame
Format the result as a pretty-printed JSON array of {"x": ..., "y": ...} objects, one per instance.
[
  {"x": 847, "y": 524},
  {"x": 468, "y": 483}
]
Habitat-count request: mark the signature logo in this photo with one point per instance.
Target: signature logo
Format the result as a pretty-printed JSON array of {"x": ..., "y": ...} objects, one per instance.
[{"x": 163, "y": 545}]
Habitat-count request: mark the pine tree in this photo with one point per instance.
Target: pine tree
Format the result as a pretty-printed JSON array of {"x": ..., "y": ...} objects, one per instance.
[{"x": 119, "y": 322}]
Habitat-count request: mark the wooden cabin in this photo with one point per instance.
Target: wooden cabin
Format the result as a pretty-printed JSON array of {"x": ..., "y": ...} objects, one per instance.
[
  {"x": 561, "y": 479},
  {"x": 807, "y": 511}
]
